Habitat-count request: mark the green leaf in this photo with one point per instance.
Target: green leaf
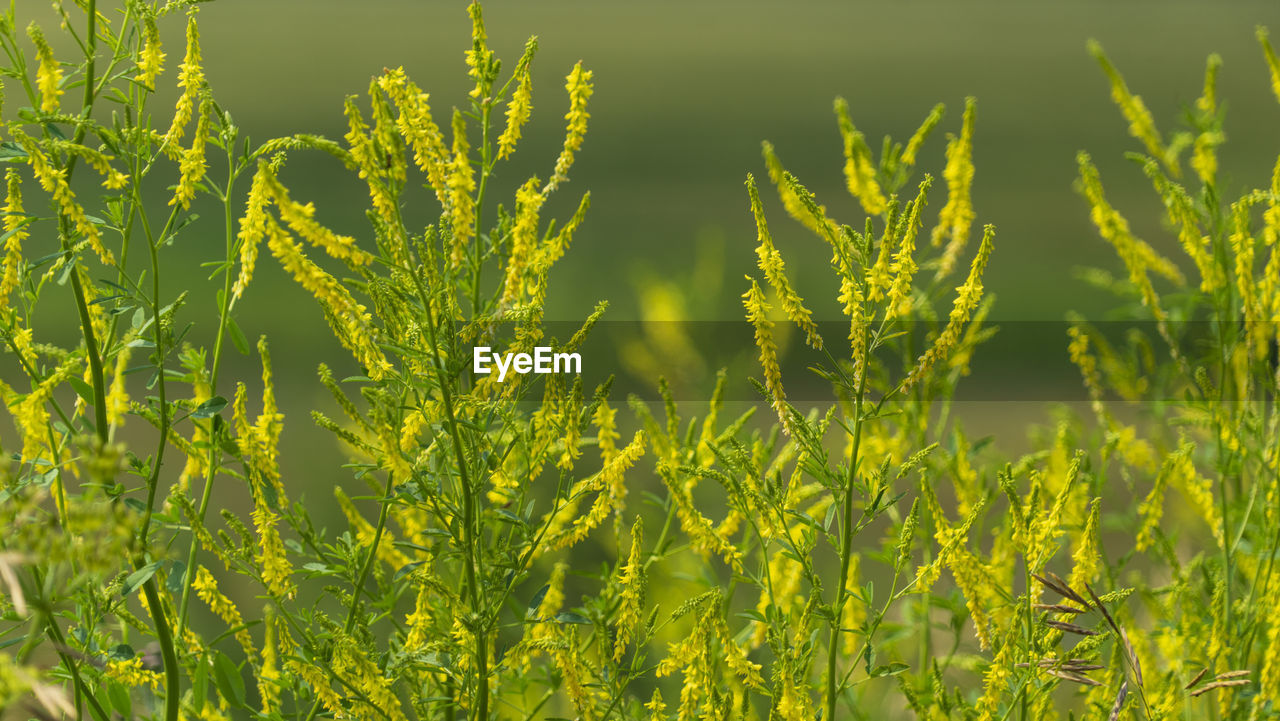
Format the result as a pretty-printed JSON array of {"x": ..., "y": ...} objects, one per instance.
[
  {"x": 237, "y": 337},
  {"x": 84, "y": 390},
  {"x": 537, "y": 600},
  {"x": 137, "y": 578},
  {"x": 118, "y": 695},
  {"x": 891, "y": 669},
  {"x": 11, "y": 152},
  {"x": 209, "y": 408},
  {"x": 568, "y": 617},
  {"x": 226, "y": 675},
  {"x": 200, "y": 685}
]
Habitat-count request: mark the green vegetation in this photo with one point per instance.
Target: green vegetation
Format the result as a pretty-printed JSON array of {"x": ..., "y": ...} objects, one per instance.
[{"x": 515, "y": 549}]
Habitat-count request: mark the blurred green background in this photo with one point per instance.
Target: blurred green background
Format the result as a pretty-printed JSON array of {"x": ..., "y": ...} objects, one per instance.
[{"x": 685, "y": 92}]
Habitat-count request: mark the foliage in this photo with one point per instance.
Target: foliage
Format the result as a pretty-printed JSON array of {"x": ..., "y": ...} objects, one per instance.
[{"x": 858, "y": 559}]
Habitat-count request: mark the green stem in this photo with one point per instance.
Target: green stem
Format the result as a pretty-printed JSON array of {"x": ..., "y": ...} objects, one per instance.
[
  {"x": 485, "y": 170},
  {"x": 846, "y": 549},
  {"x": 214, "y": 456}
]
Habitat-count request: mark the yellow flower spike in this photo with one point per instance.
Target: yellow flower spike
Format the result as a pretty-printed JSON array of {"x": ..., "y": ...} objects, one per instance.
[
  {"x": 48, "y": 72},
  {"x": 520, "y": 106},
  {"x": 791, "y": 200},
  {"x": 301, "y": 219},
  {"x": 54, "y": 182},
  {"x": 365, "y": 532},
  {"x": 100, "y": 162},
  {"x": 1141, "y": 125},
  {"x": 931, "y": 121},
  {"x": 191, "y": 81},
  {"x": 656, "y": 706},
  {"x": 571, "y": 442},
  {"x": 118, "y": 395},
  {"x": 995, "y": 682},
  {"x": 1272, "y": 63},
  {"x": 967, "y": 297},
  {"x": 606, "y": 431},
  {"x": 131, "y": 674},
  {"x": 956, "y": 217},
  {"x": 151, "y": 56},
  {"x": 1138, "y": 257},
  {"x": 419, "y": 129},
  {"x": 479, "y": 57},
  {"x": 461, "y": 183},
  {"x": 1085, "y": 555},
  {"x": 859, "y": 169},
  {"x": 276, "y": 569},
  {"x": 1269, "y": 677},
  {"x": 904, "y": 266},
  {"x": 606, "y": 482},
  {"x": 349, "y": 320},
  {"x": 758, "y": 315},
  {"x": 770, "y": 261},
  {"x": 1204, "y": 157},
  {"x": 1180, "y": 210},
  {"x": 578, "y": 83},
  {"x": 266, "y": 430},
  {"x": 977, "y": 584},
  {"x": 524, "y": 239},
  {"x": 253, "y": 226},
  {"x": 632, "y": 581},
  {"x": 207, "y": 589},
  {"x": 878, "y": 279},
  {"x": 1207, "y": 103},
  {"x": 15, "y": 226},
  {"x": 392, "y": 165},
  {"x": 192, "y": 165}
]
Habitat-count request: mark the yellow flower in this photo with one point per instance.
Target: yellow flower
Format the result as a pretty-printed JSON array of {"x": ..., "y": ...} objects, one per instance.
[
  {"x": 632, "y": 582},
  {"x": 479, "y": 57},
  {"x": 578, "y": 83},
  {"x": 956, "y": 217},
  {"x": 607, "y": 431},
  {"x": 770, "y": 261},
  {"x": 253, "y": 226},
  {"x": 606, "y": 481},
  {"x": 859, "y": 170},
  {"x": 15, "y": 223},
  {"x": 967, "y": 297},
  {"x": 792, "y": 201},
  {"x": 349, "y": 320},
  {"x": 904, "y": 266},
  {"x": 54, "y": 182},
  {"x": 520, "y": 107},
  {"x": 1272, "y": 63},
  {"x": 118, "y": 395},
  {"x": 524, "y": 237},
  {"x": 931, "y": 121},
  {"x": 207, "y": 589},
  {"x": 276, "y": 570},
  {"x": 48, "y": 72},
  {"x": 191, "y": 80},
  {"x": 758, "y": 314},
  {"x": 1141, "y": 125},
  {"x": 192, "y": 166},
  {"x": 301, "y": 218},
  {"x": 150, "y": 57},
  {"x": 461, "y": 183},
  {"x": 130, "y": 673},
  {"x": 418, "y": 128}
]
